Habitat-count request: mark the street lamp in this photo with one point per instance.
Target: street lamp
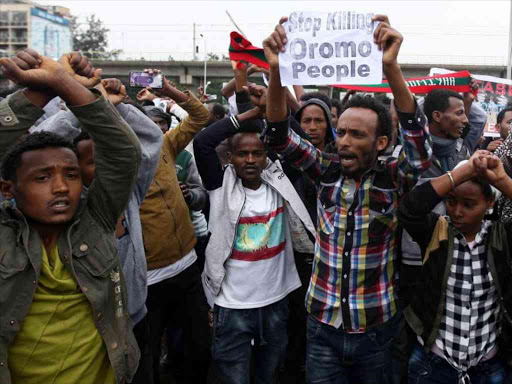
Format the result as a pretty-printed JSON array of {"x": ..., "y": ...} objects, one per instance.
[{"x": 205, "y": 61}]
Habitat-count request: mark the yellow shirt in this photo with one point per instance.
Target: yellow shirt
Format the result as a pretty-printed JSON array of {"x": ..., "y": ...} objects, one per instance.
[{"x": 58, "y": 342}]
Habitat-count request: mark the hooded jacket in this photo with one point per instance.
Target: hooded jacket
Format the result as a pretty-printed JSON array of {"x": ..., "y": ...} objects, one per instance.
[
  {"x": 330, "y": 133},
  {"x": 305, "y": 187}
]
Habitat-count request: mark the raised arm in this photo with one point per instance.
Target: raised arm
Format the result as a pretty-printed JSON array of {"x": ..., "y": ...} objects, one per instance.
[
  {"x": 276, "y": 94},
  {"x": 44, "y": 79},
  {"x": 477, "y": 119},
  {"x": 299, "y": 152},
  {"x": 208, "y": 139},
  {"x": 150, "y": 137},
  {"x": 389, "y": 41},
  {"x": 491, "y": 167},
  {"x": 415, "y": 214},
  {"x": 117, "y": 155},
  {"x": 117, "y": 150},
  {"x": 417, "y": 153},
  {"x": 178, "y": 138}
]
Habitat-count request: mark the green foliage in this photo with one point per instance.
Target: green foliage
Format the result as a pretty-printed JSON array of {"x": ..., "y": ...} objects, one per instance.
[
  {"x": 217, "y": 57},
  {"x": 91, "y": 37}
]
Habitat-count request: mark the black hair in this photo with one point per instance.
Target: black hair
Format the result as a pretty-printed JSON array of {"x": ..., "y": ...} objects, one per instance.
[
  {"x": 218, "y": 110},
  {"x": 485, "y": 187},
  {"x": 337, "y": 104},
  {"x": 501, "y": 115},
  {"x": 83, "y": 136},
  {"x": 157, "y": 112},
  {"x": 438, "y": 100},
  {"x": 39, "y": 140},
  {"x": 316, "y": 95},
  {"x": 245, "y": 128},
  {"x": 381, "y": 97},
  {"x": 384, "y": 118}
]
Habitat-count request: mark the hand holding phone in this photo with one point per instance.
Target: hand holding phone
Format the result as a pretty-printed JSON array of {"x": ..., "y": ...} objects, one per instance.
[{"x": 140, "y": 79}]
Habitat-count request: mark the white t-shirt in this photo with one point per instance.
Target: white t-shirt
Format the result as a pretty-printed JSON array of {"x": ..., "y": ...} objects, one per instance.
[
  {"x": 261, "y": 269},
  {"x": 161, "y": 274}
]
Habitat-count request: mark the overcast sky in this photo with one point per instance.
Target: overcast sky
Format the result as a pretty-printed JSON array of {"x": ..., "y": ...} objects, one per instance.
[{"x": 464, "y": 31}]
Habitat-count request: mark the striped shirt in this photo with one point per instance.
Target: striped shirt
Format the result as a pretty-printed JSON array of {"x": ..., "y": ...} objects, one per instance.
[{"x": 354, "y": 269}]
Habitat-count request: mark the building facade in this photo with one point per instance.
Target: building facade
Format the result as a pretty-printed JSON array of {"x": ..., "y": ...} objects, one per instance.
[{"x": 24, "y": 24}]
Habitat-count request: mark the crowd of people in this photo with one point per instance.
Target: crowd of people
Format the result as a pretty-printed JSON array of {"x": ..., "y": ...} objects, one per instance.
[{"x": 293, "y": 239}]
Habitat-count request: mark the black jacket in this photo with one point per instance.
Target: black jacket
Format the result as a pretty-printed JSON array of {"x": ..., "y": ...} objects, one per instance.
[{"x": 423, "y": 287}]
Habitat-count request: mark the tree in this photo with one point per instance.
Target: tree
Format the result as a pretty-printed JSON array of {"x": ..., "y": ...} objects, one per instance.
[
  {"x": 213, "y": 57},
  {"x": 216, "y": 57},
  {"x": 92, "y": 39}
]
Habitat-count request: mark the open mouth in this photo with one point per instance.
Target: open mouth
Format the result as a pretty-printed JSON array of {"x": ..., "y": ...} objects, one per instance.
[
  {"x": 61, "y": 205},
  {"x": 347, "y": 159}
]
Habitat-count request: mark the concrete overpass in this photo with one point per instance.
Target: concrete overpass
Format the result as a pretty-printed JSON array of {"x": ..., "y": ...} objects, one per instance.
[{"x": 190, "y": 73}]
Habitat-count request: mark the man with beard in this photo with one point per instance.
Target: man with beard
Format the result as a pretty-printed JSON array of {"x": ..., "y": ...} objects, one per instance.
[{"x": 352, "y": 297}]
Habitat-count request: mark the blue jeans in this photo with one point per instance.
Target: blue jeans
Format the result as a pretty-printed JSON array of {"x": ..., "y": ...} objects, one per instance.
[
  {"x": 430, "y": 368},
  {"x": 337, "y": 357},
  {"x": 234, "y": 329}
]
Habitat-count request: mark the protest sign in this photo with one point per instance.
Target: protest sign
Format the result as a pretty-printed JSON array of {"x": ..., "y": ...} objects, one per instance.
[
  {"x": 493, "y": 96},
  {"x": 326, "y": 48}
]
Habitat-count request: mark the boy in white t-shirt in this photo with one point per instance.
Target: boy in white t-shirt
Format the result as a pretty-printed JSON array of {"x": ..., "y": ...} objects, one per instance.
[{"x": 249, "y": 268}]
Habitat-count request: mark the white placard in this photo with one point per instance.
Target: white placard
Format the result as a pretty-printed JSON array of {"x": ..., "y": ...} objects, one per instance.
[{"x": 327, "y": 48}]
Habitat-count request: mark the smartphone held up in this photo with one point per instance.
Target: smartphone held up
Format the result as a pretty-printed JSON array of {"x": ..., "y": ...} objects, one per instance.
[{"x": 146, "y": 80}]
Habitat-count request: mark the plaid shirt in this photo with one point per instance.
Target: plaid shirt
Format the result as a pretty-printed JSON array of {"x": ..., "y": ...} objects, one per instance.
[
  {"x": 468, "y": 329},
  {"x": 356, "y": 243}
]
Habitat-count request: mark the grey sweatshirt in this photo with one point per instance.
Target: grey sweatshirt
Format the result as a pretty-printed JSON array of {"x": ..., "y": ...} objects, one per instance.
[{"x": 130, "y": 246}]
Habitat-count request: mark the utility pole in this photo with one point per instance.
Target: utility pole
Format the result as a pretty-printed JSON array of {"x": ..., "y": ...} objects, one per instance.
[
  {"x": 205, "y": 84},
  {"x": 194, "y": 42},
  {"x": 509, "y": 52}
]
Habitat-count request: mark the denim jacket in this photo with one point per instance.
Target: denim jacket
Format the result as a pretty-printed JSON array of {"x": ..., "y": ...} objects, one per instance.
[{"x": 87, "y": 245}]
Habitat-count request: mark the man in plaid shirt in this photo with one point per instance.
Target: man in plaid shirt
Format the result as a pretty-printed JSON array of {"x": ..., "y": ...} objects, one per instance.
[{"x": 352, "y": 295}]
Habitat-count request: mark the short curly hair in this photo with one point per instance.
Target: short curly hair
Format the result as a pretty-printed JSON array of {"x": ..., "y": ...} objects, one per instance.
[
  {"x": 384, "y": 118},
  {"x": 438, "y": 100},
  {"x": 39, "y": 140}
]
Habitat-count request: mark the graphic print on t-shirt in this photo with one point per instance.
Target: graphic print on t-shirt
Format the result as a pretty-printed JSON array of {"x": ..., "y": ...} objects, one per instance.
[{"x": 260, "y": 237}]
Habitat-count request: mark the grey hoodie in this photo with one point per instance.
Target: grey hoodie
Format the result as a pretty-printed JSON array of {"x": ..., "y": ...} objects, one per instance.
[{"x": 130, "y": 246}]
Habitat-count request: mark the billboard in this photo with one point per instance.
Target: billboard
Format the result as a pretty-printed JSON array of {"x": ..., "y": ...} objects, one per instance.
[{"x": 49, "y": 34}]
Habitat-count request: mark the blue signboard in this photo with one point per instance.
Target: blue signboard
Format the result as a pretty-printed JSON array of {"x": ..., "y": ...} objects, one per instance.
[
  {"x": 49, "y": 34},
  {"x": 48, "y": 16}
]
